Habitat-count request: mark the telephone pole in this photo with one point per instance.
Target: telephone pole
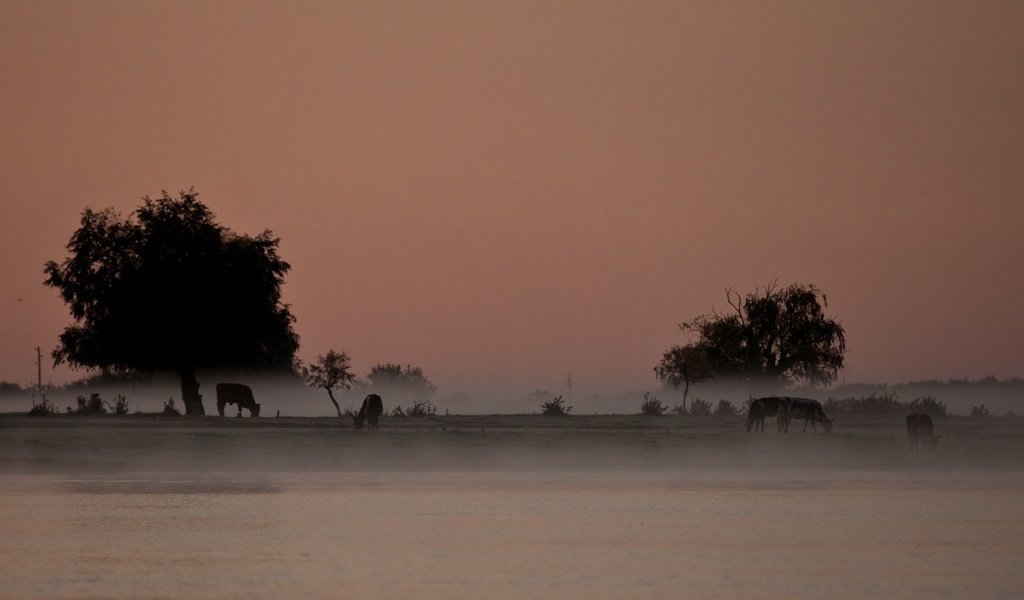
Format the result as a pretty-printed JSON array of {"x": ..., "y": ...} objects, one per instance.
[{"x": 39, "y": 371}]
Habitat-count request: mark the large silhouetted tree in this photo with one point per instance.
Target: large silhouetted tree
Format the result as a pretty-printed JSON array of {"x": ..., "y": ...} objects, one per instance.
[
  {"x": 773, "y": 336},
  {"x": 169, "y": 289}
]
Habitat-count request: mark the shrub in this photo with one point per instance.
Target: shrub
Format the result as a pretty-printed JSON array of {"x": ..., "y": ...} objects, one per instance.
[
  {"x": 700, "y": 408},
  {"x": 42, "y": 408},
  {"x": 420, "y": 408},
  {"x": 651, "y": 406},
  {"x": 94, "y": 405},
  {"x": 120, "y": 405},
  {"x": 726, "y": 409},
  {"x": 979, "y": 411},
  {"x": 555, "y": 407},
  {"x": 170, "y": 410},
  {"x": 677, "y": 410}
]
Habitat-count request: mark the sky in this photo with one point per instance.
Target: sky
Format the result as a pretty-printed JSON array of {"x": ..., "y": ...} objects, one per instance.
[{"x": 507, "y": 193}]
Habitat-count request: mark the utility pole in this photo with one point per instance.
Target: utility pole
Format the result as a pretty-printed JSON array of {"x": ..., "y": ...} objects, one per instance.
[{"x": 39, "y": 371}]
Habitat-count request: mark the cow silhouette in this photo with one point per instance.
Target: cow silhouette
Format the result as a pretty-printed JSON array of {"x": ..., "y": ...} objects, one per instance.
[
  {"x": 370, "y": 412},
  {"x": 236, "y": 393},
  {"x": 807, "y": 409},
  {"x": 921, "y": 429},
  {"x": 755, "y": 416},
  {"x": 768, "y": 406}
]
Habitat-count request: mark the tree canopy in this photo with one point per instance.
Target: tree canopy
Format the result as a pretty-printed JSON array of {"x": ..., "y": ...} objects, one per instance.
[
  {"x": 408, "y": 380},
  {"x": 772, "y": 335},
  {"x": 169, "y": 289}
]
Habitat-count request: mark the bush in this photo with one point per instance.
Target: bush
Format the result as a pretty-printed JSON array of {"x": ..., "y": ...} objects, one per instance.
[
  {"x": 555, "y": 407},
  {"x": 120, "y": 405},
  {"x": 42, "y": 408},
  {"x": 726, "y": 409},
  {"x": 420, "y": 408},
  {"x": 652, "y": 407},
  {"x": 170, "y": 410},
  {"x": 677, "y": 410},
  {"x": 979, "y": 411},
  {"x": 93, "y": 406},
  {"x": 700, "y": 408}
]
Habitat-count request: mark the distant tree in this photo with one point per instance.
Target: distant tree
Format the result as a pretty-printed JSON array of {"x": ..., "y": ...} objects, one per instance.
[
  {"x": 408, "y": 380},
  {"x": 777, "y": 336},
  {"x": 726, "y": 409},
  {"x": 700, "y": 408},
  {"x": 331, "y": 371},
  {"x": 169, "y": 289},
  {"x": 683, "y": 365}
]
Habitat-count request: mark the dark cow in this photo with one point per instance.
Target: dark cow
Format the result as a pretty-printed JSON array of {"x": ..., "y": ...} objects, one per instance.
[
  {"x": 769, "y": 406},
  {"x": 808, "y": 410},
  {"x": 371, "y": 411},
  {"x": 755, "y": 416},
  {"x": 236, "y": 393},
  {"x": 921, "y": 429}
]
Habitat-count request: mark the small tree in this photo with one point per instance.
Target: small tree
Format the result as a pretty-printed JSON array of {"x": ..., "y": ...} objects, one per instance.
[
  {"x": 651, "y": 406},
  {"x": 331, "y": 371},
  {"x": 683, "y": 365},
  {"x": 555, "y": 407}
]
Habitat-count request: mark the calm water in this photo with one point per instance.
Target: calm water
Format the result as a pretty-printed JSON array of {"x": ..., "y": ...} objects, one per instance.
[{"x": 515, "y": 535}]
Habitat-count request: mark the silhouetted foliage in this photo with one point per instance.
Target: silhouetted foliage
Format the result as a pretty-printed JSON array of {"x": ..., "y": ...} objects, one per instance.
[
  {"x": 555, "y": 407},
  {"x": 872, "y": 404},
  {"x": 331, "y": 371},
  {"x": 927, "y": 405},
  {"x": 167, "y": 288},
  {"x": 700, "y": 408},
  {"x": 726, "y": 409},
  {"x": 979, "y": 411},
  {"x": 93, "y": 405},
  {"x": 775, "y": 335},
  {"x": 651, "y": 406},
  {"x": 170, "y": 410},
  {"x": 395, "y": 379},
  {"x": 42, "y": 408},
  {"x": 683, "y": 365},
  {"x": 420, "y": 408}
]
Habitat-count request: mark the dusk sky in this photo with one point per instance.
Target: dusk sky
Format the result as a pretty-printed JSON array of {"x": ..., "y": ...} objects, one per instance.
[{"x": 503, "y": 193}]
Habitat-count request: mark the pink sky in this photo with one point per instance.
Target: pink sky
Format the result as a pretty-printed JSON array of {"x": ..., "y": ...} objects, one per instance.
[{"x": 507, "y": 192}]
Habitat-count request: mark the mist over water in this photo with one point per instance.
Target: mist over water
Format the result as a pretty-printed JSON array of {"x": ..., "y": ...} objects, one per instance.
[{"x": 506, "y": 506}]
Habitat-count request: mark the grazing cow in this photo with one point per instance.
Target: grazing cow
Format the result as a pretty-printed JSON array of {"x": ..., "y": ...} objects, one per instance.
[
  {"x": 371, "y": 411},
  {"x": 921, "y": 429},
  {"x": 768, "y": 406},
  {"x": 808, "y": 410},
  {"x": 755, "y": 416},
  {"x": 236, "y": 393}
]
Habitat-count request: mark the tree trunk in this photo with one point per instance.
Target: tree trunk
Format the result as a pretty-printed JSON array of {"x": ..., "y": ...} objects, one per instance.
[
  {"x": 190, "y": 392},
  {"x": 336, "y": 407}
]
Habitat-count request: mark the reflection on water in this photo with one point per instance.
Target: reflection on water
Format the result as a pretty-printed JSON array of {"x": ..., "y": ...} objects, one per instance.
[{"x": 810, "y": 535}]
